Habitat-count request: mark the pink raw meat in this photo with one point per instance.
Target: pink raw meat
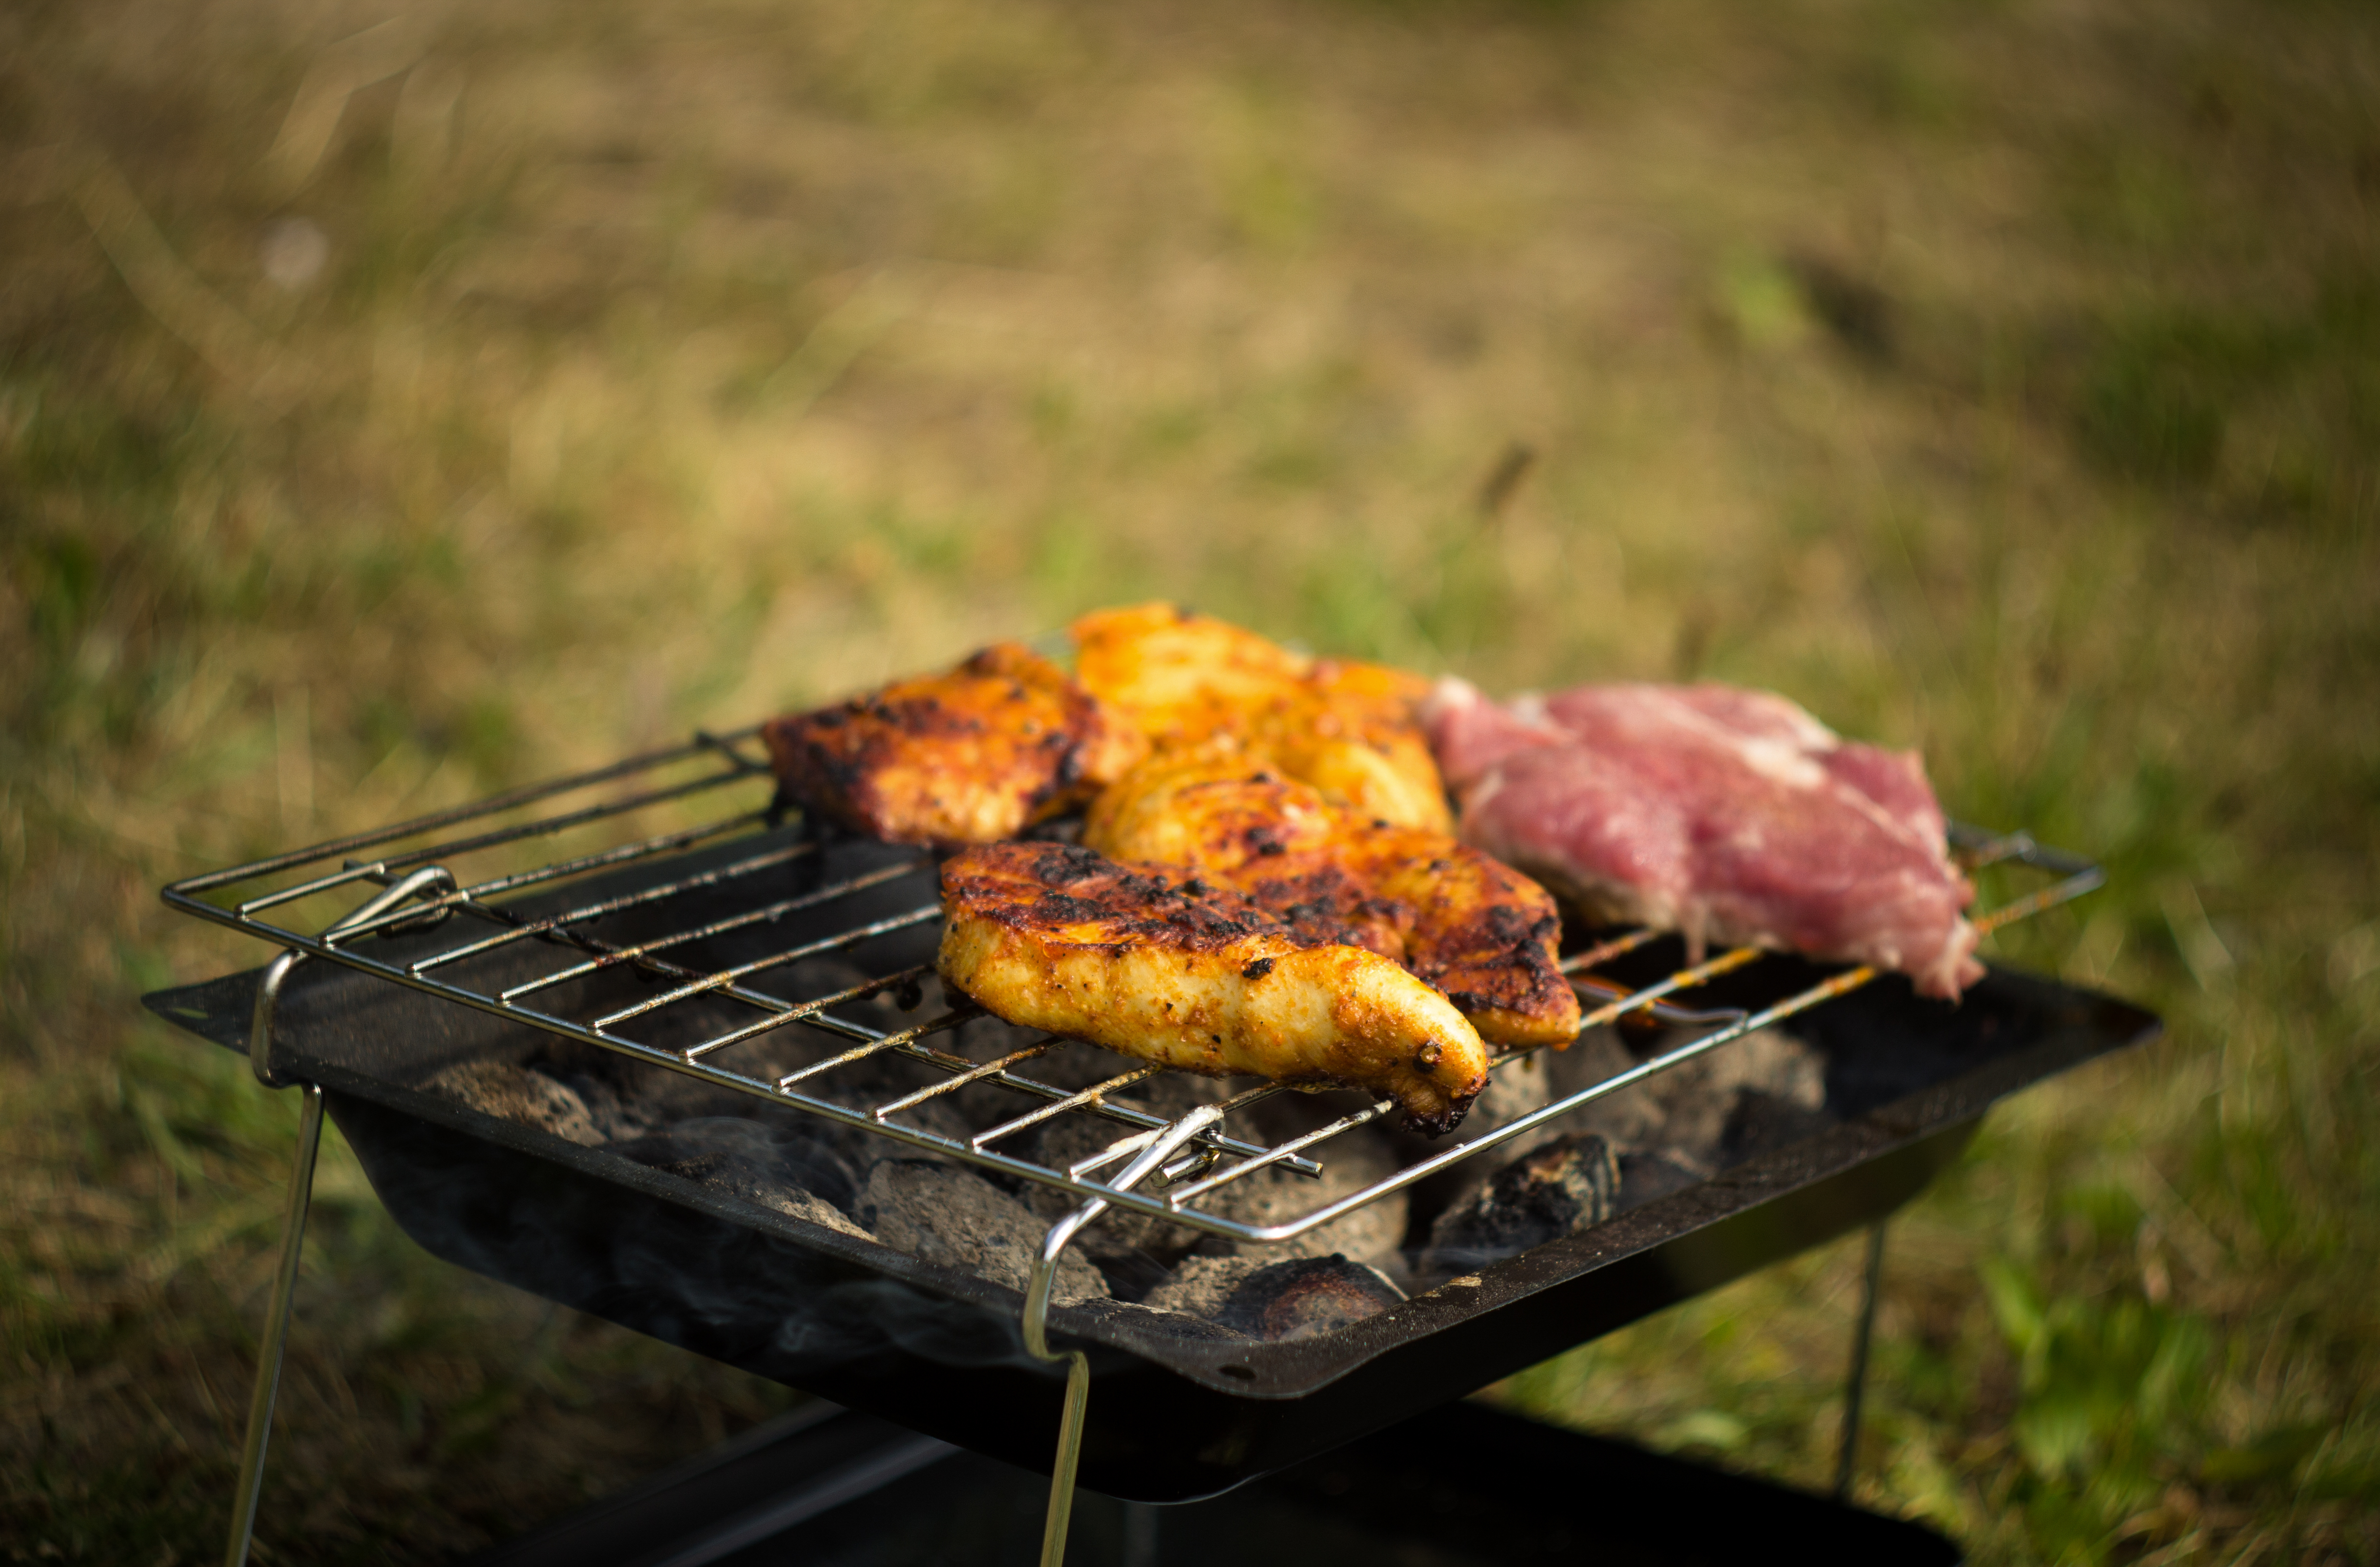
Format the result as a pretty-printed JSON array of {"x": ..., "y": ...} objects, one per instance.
[{"x": 1729, "y": 814}]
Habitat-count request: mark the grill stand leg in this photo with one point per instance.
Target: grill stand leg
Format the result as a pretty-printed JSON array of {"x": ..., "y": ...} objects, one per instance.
[
  {"x": 276, "y": 1328},
  {"x": 1855, "y": 1384},
  {"x": 1139, "y": 1535},
  {"x": 251, "y": 1485},
  {"x": 1162, "y": 1144}
]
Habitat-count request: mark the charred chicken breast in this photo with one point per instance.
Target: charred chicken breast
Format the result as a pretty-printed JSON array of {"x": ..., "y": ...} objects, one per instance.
[
  {"x": 1165, "y": 968},
  {"x": 977, "y": 753},
  {"x": 1481, "y": 933},
  {"x": 1349, "y": 729}
]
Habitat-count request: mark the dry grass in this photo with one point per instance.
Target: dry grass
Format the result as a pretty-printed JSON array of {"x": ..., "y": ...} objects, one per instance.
[{"x": 1999, "y": 381}]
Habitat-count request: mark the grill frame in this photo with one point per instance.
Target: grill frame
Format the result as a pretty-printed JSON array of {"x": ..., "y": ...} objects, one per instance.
[
  {"x": 1166, "y": 1407},
  {"x": 1196, "y": 1418},
  {"x": 420, "y": 883}
]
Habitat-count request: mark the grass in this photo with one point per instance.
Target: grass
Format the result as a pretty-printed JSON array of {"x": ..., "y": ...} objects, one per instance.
[{"x": 2000, "y": 380}]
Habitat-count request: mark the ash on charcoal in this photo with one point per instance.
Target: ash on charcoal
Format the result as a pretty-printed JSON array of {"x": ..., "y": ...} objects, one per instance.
[
  {"x": 1119, "y": 1235},
  {"x": 1512, "y": 1092},
  {"x": 619, "y": 1115},
  {"x": 1350, "y": 1161},
  {"x": 940, "y": 1213},
  {"x": 517, "y": 1093},
  {"x": 1305, "y": 1298},
  {"x": 1297, "y": 1299},
  {"x": 629, "y": 1099},
  {"x": 870, "y": 1083},
  {"x": 769, "y": 1167},
  {"x": 1201, "y": 1284},
  {"x": 1526, "y": 1085},
  {"x": 1686, "y": 1108},
  {"x": 1553, "y": 1191},
  {"x": 1274, "y": 1197}
]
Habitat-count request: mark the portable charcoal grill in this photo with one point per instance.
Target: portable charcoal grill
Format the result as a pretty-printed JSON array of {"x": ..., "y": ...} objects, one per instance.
[{"x": 666, "y": 935}]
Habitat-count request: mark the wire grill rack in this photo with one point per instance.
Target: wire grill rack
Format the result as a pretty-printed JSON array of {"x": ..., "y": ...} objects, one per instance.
[
  {"x": 444, "y": 879},
  {"x": 415, "y": 874}
]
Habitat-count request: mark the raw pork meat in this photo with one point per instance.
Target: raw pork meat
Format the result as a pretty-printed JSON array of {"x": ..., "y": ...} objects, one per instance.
[{"x": 1729, "y": 814}]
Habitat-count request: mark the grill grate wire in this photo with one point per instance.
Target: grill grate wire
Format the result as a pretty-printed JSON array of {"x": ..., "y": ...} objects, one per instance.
[{"x": 1210, "y": 1157}]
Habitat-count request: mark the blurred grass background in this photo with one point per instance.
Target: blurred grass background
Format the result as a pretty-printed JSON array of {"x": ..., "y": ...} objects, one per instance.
[{"x": 394, "y": 406}]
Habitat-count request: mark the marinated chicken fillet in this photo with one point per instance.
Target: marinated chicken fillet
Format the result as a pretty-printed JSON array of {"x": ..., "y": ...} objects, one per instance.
[
  {"x": 968, "y": 757},
  {"x": 1350, "y": 730},
  {"x": 1479, "y": 932},
  {"x": 1732, "y": 816},
  {"x": 1164, "y": 968}
]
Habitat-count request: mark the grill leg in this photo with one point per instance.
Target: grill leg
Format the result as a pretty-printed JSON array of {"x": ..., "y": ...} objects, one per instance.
[
  {"x": 1034, "y": 1325},
  {"x": 1139, "y": 1535},
  {"x": 276, "y": 1327},
  {"x": 1855, "y": 1384},
  {"x": 1070, "y": 1450}
]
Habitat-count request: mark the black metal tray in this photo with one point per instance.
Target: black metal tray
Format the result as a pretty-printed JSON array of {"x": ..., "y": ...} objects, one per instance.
[{"x": 1172, "y": 1416}]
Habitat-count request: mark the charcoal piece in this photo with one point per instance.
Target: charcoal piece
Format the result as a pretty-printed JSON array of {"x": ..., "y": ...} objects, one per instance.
[
  {"x": 867, "y": 1149},
  {"x": 516, "y": 1093},
  {"x": 1307, "y": 1298},
  {"x": 1351, "y": 1161},
  {"x": 1062, "y": 1140},
  {"x": 616, "y": 1115},
  {"x": 769, "y": 1167},
  {"x": 1201, "y": 1284},
  {"x": 1514, "y": 1091},
  {"x": 1553, "y": 1191},
  {"x": 1685, "y": 1109},
  {"x": 941, "y": 1213},
  {"x": 1647, "y": 1174},
  {"x": 632, "y": 1098},
  {"x": 1276, "y": 1197},
  {"x": 1631, "y": 1116}
]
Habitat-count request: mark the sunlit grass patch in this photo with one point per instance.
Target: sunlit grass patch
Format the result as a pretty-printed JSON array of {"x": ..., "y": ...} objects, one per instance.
[{"x": 1997, "y": 384}]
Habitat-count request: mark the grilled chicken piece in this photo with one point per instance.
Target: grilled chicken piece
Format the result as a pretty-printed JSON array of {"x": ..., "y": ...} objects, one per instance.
[
  {"x": 1478, "y": 931},
  {"x": 1349, "y": 729},
  {"x": 1164, "y": 968},
  {"x": 968, "y": 757}
]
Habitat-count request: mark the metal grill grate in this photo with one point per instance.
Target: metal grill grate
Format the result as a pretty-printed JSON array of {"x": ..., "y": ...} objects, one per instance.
[
  {"x": 621, "y": 815},
  {"x": 617, "y": 816}
]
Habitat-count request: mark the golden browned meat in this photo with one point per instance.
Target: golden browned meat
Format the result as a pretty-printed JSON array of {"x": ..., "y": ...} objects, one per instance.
[
  {"x": 975, "y": 754},
  {"x": 1349, "y": 729},
  {"x": 1476, "y": 930},
  {"x": 1168, "y": 969}
]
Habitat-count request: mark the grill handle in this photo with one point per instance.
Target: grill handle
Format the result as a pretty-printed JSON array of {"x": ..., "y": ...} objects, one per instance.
[{"x": 268, "y": 993}]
